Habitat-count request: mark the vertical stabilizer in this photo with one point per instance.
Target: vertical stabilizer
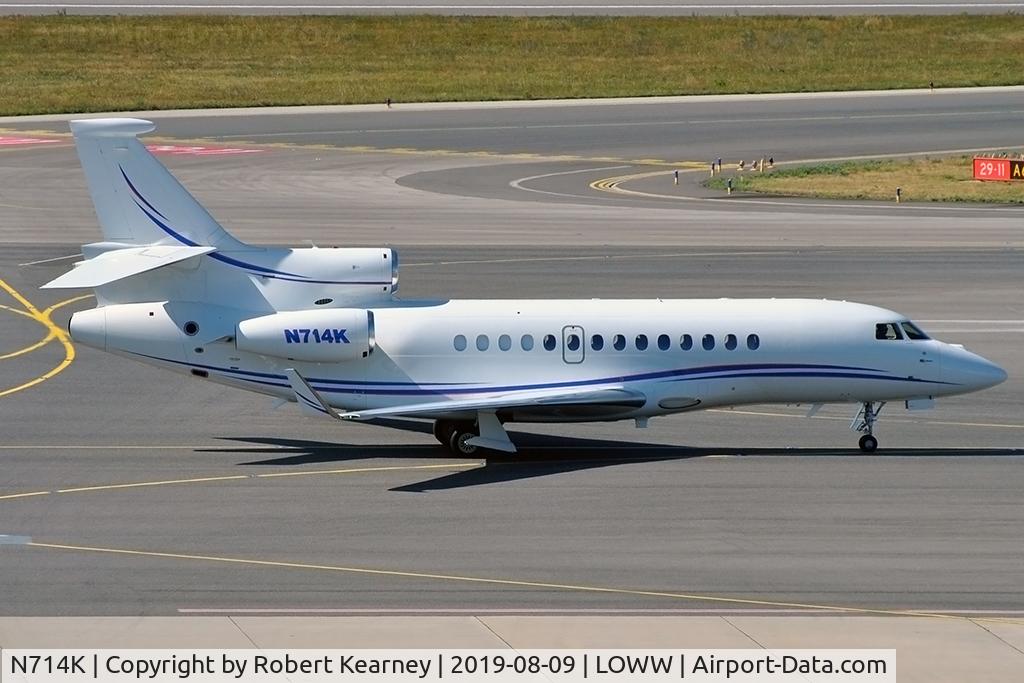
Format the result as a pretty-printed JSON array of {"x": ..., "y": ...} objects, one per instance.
[{"x": 137, "y": 200}]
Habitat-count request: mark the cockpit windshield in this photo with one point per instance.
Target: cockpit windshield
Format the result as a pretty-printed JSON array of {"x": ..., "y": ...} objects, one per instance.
[
  {"x": 912, "y": 331},
  {"x": 901, "y": 330},
  {"x": 890, "y": 331}
]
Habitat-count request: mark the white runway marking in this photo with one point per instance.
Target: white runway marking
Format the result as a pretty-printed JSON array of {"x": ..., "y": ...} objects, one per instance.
[
  {"x": 6, "y": 539},
  {"x": 50, "y": 260},
  {"x": 976, "y": 329},
  {"x": 600, "y": 257},
  {"x": 633, "y": 124},
  {"x": 942, "y": 326},
  {"x": 517, "y": 611},
  {"x": 567, "y": 7},
  {"x": 518, "y": 183}
]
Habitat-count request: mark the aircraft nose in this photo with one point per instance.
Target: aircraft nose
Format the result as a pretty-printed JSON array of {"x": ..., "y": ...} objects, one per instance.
[
  {"x": 996, "y": 375},
  {"x": 971, "y": 371}
]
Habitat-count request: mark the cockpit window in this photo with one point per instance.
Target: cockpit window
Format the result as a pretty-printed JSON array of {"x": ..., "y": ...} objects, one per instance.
[
  {"x": 912, "y": 331},
  {"x": 888, "y": 331}
]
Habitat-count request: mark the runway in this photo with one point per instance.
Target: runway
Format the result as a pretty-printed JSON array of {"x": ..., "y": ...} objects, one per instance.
[
  {"x": 701, "y": 128},
  {"x": 494, "y": 7},
  {"x": 128, "y": 491}
]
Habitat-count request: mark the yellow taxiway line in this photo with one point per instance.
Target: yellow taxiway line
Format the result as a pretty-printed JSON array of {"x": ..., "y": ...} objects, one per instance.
[
  {"x": 53, "y": 332},
  {"x": 236, "y": 477},
  {"x": 512, "y": 582}
]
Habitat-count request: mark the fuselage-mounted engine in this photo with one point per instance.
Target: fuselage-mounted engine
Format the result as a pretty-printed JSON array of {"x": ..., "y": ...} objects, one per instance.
[{"x": 331, "y": 335}]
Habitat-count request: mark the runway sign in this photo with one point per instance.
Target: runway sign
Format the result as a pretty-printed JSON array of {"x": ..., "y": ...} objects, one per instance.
[
  {"x": 7, "y": 140},
  {"x": 998, "y": 169},
  {"x": 182, "y": 150}
]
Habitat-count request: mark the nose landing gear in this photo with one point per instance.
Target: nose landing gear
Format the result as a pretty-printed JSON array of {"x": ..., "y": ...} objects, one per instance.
[
  {"x": 864, "y": 421},
  {"x": 868, "y": 443}
]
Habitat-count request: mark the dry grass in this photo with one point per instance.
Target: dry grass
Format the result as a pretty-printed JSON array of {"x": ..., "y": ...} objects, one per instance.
[
  {"x": 73, "y": 64},
  {"x": 947, "y": 179}
]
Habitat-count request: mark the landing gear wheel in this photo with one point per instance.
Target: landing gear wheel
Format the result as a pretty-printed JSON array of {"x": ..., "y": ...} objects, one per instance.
[
  {"x": 457, "y": 442},
  {"x": 443, "y": 430},
  {"x": 868, "y": 443}
]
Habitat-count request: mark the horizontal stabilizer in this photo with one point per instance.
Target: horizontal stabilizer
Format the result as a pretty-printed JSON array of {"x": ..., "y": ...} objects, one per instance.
[
  {"x": 121, "y": 263},
  {"x": 310, "y": 402}
]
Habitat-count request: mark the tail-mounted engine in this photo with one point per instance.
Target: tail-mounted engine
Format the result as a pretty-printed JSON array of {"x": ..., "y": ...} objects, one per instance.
[{"x": 331, "y": 335}]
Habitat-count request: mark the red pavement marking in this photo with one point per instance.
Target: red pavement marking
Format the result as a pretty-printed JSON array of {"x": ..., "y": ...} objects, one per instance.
[
  {"x": 9, "y": 140},
  {"x": 196, "y": 151}
]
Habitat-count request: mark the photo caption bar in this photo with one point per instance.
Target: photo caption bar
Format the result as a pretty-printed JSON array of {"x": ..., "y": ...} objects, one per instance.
[{"x": 469, "y": 666}]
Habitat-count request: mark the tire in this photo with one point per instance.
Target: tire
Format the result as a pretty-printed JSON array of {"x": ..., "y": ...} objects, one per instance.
[
  {"x": 443, "y": 430},
  {"x": 868, "y": 443},
  {"x": 457, "y": 443}
]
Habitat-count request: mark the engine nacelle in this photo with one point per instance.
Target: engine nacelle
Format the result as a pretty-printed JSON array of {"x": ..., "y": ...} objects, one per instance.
[
  {"x": 327, "y": 336},
  {"x": 328, "y": 278}
]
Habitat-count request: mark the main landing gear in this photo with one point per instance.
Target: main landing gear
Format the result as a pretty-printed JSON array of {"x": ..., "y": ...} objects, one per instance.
[
  {"x": 455, "y": 434},
  {"x": 466, "y": 437},
  {"x": 864, "y": 421}
]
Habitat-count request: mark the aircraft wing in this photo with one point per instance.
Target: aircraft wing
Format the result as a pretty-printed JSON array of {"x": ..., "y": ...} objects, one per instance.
[
  {"x": 611, "y": 397},
  {"x": 121, "y": 263}
]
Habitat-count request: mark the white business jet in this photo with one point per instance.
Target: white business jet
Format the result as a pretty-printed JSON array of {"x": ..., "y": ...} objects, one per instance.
[{"x": 322, "y": 328}]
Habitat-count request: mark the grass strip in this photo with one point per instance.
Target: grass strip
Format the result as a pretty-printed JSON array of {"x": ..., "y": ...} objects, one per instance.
[
  {"x": 942, "y": 179},
  {"x": 59, "y": 64}
]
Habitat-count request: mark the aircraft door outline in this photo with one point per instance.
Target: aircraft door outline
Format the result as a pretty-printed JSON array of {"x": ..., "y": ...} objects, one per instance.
[{"x": 572, "y": 344}]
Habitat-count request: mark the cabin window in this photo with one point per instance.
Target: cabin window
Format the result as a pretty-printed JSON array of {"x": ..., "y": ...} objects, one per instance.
[
  {"x": 753, "y": 342},
  {"x": 504, "y": 342},
  {"x": 549, "y": 342},
  {"x": 641, "y": 342},
  {"x": 730, "y": 342},
  {"x": 708, "y": 342},
  {"x": 527, "y": 342},
  {"x": 482, "y": 342},
  {"x": 619, "y": 342},
  {"x": 597, "y": 342},
  {"x": 912, "y": 331},
  {"x": 460, "y": 342},
  {"x": 664, "y": 342},
  {"x": 573, "y": 342},
  {"x": 686, "y": 342},
  {"x": 888, "y": 331}
]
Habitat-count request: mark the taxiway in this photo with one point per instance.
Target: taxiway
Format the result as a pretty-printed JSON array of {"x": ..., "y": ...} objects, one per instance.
[{"x": 125, "y": 490}]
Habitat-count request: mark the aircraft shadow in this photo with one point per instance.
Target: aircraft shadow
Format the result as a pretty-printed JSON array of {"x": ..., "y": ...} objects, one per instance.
[
  {"x": 547, "y": 457},
  {"x": 501, "y": 470},
  {"x": 539, "y": 456}
]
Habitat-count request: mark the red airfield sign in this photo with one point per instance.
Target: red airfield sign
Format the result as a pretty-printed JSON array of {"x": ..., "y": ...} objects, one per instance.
[{"x": 998, "y": 169}]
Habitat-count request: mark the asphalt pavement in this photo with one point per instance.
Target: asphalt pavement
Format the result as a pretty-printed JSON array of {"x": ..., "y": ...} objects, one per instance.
[{"x": 147, "y": 493}]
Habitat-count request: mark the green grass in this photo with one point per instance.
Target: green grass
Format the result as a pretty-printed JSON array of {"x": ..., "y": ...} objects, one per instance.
[
  {"x": 73, "y": 64},
  {"x": 943, "y": 179}
]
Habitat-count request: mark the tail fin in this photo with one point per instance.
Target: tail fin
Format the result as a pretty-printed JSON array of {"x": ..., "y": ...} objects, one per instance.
[{"x": 137, "y": 200}]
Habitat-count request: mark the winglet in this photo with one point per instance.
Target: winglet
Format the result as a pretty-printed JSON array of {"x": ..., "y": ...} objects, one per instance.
[{"x": 308, "y": 399}]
